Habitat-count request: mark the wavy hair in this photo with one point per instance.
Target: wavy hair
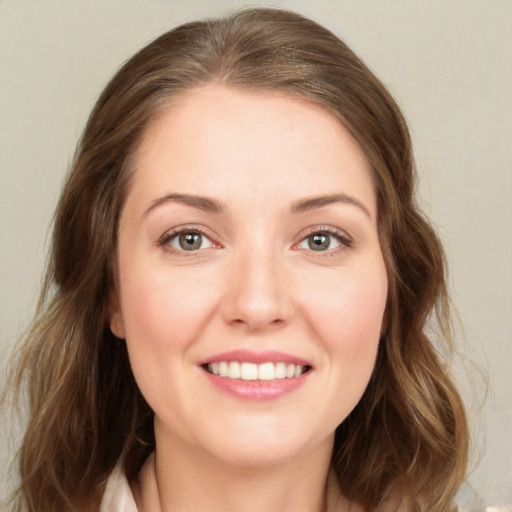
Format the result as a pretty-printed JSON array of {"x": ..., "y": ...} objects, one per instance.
[{"x": 406, "y": 442}]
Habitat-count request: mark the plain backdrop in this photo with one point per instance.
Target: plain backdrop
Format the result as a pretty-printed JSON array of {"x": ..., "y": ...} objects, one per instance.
[{"x": 448, "y": 63}]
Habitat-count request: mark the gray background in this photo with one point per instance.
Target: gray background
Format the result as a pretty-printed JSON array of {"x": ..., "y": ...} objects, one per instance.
[{"x": 448, "y": 63}]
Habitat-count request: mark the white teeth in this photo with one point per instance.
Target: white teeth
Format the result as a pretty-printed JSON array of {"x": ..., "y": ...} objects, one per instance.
[
  {"x": 251, "y": 371},
  {"x": 234, "y": 370},
  {"x": 280, "y": 370},
  {"x": 223, "y": 369},
  {"x": 266, "y": 371},
  {"x": 248, "y": 371}
]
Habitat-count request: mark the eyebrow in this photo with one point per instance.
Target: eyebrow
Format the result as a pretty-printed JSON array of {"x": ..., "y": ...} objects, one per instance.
[
  {"x": 201, "y": 203},
  {"x": 209, "y": 205},
  {"x": 311, "y": 203}
]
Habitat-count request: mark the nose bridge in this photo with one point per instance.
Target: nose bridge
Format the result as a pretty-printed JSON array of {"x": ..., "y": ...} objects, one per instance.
[{"x": 257, "y": 295}]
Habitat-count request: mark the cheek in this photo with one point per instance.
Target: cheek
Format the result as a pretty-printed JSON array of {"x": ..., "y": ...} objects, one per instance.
[
  {"x": 347, "y": 315},
  {"x": 161, "y": 309},
  {"x": 350, "y": 308},
  {"x": 162, "y": 313}
]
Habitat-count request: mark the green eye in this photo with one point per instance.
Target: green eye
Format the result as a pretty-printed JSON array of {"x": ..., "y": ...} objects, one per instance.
[
  {"x": 322, "y": 242},
  {"x": 190, "y": 241}
]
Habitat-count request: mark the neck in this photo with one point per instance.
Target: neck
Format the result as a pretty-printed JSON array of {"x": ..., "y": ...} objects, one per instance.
[{"x": 186, "y": 479}]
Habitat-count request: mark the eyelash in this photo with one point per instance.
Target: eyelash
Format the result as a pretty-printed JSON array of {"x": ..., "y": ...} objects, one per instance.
[{"x": 342, "y": 238}]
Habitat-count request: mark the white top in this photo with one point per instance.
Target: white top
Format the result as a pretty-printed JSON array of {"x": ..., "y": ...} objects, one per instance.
[{"x": 118, "y": 496}]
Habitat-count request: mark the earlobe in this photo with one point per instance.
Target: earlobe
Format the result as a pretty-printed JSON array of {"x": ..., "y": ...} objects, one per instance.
[
  {"x": 116, "y": 317},
  {"x": 116, "y": 326}
]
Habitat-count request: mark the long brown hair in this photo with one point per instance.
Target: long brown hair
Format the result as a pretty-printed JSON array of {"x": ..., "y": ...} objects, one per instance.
[{"x": 405, "y": 441}]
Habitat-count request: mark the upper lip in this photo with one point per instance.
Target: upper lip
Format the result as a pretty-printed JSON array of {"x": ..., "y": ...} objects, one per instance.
[{"x": 250, "y": 356}]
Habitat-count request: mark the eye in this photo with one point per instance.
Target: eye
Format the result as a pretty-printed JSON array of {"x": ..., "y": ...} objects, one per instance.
[
  {"x": 319, "y": 242},
  {"x": 189, "y": 240},
  {"x": 324, "y": 241}
]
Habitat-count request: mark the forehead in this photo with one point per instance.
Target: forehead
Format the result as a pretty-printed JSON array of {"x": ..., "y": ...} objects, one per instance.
[{"x": 218, "y": 141}]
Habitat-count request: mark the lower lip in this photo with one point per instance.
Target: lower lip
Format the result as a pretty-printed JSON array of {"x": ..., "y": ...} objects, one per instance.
[{"x": 257, "y": 390}]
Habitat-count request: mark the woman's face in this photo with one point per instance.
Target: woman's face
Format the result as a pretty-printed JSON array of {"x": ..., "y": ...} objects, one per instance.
[{"x": 252, "y": 285}]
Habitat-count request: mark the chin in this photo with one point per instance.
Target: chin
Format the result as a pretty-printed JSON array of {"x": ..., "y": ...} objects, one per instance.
[
  {"x": 264, "y": 445},
  {"x": 257, "y": 455}
]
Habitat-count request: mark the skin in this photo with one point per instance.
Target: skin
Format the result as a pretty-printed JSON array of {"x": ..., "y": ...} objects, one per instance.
[{"x": 254, "y": 284}]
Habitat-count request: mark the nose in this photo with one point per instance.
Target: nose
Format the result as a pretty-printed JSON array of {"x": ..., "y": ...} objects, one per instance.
[{"x": 257, "y": 297}]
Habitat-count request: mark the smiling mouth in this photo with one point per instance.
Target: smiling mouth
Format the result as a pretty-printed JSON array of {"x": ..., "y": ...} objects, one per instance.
[{"x": 256, "y": 372}]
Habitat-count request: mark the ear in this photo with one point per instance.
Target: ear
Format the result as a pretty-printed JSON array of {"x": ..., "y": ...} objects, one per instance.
[{"x": 115, "y": 316}]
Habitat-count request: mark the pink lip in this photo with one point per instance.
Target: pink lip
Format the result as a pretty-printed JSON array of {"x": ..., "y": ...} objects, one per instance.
[
  {"x": 256, "y": 390},
  {"x": 249, "y": 356}
]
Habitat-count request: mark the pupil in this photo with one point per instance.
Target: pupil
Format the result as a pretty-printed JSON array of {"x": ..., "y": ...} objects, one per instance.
[
  {"x": 319, "y": 242},
  {"x": 190, "y": 241}
]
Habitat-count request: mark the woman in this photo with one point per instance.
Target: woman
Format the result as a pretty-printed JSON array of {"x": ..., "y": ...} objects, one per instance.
[{"x": 234, "y": 317}]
